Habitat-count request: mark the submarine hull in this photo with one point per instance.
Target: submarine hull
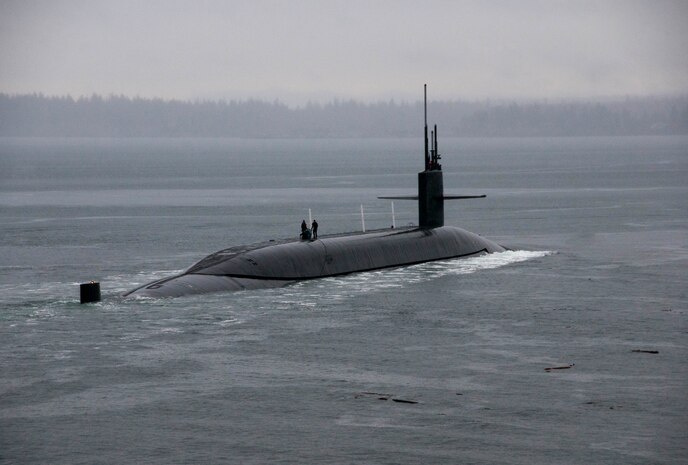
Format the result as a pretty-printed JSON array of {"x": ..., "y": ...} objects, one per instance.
[{"x": 277, "y": 264}]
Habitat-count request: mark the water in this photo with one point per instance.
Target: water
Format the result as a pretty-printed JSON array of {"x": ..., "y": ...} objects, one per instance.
[{"x": 308, "y": 373}]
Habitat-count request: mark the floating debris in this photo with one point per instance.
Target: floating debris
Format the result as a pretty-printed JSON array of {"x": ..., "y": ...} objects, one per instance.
[
  {"x": 603, "y": 404},
  {"x": 565, "y": 367},
  {"x": 382, "y": 396}
]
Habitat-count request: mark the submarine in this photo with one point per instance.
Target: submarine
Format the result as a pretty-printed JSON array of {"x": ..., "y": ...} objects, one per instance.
[{"x": 283, "y": 262}]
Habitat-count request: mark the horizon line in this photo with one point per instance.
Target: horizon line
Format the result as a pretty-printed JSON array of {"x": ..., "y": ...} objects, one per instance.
[{"x": 340, "y": 99}]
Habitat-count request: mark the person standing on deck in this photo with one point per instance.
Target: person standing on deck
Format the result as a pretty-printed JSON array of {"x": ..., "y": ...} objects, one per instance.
[
  {"x": 314, "y": 227},
  {"x": 304, "y": 229}
]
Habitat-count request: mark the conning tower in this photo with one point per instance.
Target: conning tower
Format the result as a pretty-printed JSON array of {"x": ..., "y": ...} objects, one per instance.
[{"x": 430, "y": 185}]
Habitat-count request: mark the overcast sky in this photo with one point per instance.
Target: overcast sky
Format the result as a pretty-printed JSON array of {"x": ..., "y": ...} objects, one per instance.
[{"x": 299, "y": 50}]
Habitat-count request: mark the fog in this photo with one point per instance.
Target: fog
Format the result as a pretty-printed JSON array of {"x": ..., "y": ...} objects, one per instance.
[
  {"x": 299, "y": 51},
  {"x": 117, "y": 116}
]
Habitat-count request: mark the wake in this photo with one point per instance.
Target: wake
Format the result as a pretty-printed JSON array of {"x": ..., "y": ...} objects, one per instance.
[{"x": 403, "y": 276}]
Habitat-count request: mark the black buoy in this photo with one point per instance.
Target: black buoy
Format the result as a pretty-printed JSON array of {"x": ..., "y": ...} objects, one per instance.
[{"x": 90, "y": 292}]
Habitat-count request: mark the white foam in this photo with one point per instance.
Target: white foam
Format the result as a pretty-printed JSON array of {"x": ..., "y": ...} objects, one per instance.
[
  {"x": 399, "y": 277},
  {"x": 487, "y": 262},
  {"x": 121, "y": 283}
]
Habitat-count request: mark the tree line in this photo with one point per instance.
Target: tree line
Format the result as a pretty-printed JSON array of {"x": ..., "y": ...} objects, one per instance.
[{"x": 37, "y": 115}]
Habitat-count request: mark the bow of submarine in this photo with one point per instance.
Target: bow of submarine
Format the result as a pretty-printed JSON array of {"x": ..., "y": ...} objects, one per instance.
[{"x": 277, "y": 264}]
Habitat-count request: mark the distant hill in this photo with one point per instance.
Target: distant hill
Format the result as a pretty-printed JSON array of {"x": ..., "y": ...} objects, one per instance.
[{"x": 37, "y": 115}]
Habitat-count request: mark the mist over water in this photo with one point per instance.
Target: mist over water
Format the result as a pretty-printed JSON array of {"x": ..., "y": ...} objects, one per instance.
[{"x": 310, "y": 373}]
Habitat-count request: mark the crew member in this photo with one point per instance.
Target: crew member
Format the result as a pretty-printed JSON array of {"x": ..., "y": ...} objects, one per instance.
[
  {"x": 314, "y": 227},
  {"x": 304, "y": 228}
]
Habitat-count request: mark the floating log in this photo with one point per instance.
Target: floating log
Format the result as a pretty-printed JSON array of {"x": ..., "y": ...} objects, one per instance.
[{"x": 566, "y": 367}]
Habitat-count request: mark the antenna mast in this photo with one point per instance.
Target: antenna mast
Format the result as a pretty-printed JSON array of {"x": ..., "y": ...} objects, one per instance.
[
  {"x": 432, "y": 155},
  {"x": 425, "y": 107}
]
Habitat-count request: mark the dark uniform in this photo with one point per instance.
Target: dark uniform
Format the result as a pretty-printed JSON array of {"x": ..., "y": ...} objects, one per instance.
[{"x": 315, "y": 229}]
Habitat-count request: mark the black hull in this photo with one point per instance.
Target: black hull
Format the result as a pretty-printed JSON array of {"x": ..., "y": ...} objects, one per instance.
[{"x": 277, "y": 264}]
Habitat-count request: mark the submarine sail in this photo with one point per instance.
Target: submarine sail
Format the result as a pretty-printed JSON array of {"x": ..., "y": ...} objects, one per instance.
[
  {"x": 279, "y": 263},
  {"x": 430, "y": 183}
]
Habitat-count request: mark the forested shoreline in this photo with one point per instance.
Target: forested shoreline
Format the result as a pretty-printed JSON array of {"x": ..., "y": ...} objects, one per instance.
[{"x": 37, "y": 115}]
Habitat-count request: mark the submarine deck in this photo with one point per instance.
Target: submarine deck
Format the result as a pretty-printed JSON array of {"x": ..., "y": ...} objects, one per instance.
[
  {"x": 229, "y": 252},
  {"x": 281, "y": 262}
]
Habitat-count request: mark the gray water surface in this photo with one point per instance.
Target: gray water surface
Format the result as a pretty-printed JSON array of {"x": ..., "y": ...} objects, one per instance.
[{"x": 315, "y": 372}]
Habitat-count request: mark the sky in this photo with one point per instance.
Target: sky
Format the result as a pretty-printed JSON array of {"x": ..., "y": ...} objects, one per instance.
[{"x": 297, "y": 51}]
